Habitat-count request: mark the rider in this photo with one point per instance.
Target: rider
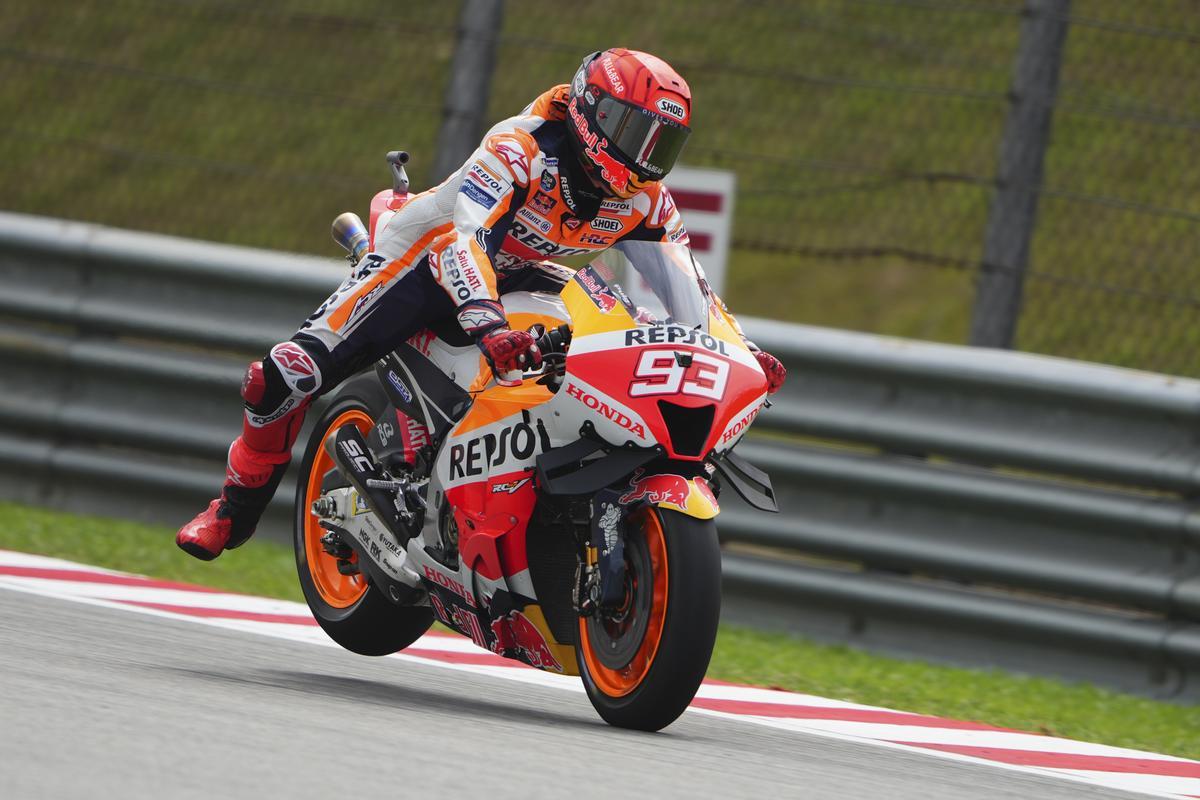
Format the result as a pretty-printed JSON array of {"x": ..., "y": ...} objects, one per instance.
[{"x": 575, "y": 172}]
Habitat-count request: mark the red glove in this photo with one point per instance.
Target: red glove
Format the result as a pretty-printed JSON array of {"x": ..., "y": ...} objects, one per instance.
[
  {"x": 773, "y": 368},
  {"x": 508, "y": 352}
]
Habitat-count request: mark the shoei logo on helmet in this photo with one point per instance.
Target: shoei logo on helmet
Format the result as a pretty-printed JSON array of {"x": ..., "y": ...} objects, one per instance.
[
  {"x": 610, "y": 69},
  {"x": 671, "y": 108}
]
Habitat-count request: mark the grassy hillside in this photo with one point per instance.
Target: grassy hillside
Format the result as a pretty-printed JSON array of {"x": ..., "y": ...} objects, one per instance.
[{"x": 864, "y": 134}]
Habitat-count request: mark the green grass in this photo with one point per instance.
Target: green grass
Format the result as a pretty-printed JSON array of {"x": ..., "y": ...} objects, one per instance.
[
  {"x": 742, "y": 655},
  {"x": 261, "y": 567},
  {"x": 864, "y": 135}
]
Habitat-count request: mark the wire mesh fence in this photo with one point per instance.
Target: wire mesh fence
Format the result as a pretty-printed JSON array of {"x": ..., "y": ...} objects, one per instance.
[
  {"x": 865, "y": 135},
  {"x": 240, "y": 122},
  {"x": 1116, "y": 254}
]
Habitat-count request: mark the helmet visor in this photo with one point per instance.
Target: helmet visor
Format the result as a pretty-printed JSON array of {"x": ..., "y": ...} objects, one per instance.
[{"x": 649, "y": 141}]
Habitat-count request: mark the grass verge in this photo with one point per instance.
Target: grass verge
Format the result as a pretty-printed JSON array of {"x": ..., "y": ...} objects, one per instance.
[{"x": 742, "y": 655}]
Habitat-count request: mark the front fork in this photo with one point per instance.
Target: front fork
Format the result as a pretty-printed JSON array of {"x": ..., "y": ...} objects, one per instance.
[
  {"x": 601, "y": 582},
  {"x": 601, "y": 579}
]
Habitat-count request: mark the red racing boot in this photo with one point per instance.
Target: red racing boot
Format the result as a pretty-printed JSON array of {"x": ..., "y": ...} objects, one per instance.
[
  {"x": 229, "y": 521},
  {"x": 205, "y": 536},
  {"x": 277, "y": 394}
]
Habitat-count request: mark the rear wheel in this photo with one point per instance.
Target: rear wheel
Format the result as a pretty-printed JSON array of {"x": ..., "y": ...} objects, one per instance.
[
  {"x": 354, "y": 613},
  {"x": 642, "y": 665}
]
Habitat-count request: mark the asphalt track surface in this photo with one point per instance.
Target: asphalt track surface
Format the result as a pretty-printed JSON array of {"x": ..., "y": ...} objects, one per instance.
[{"x": 96, "y": 702}]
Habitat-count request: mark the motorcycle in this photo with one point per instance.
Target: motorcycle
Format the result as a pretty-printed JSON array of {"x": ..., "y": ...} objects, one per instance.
[{"x": 566, "y": 523}]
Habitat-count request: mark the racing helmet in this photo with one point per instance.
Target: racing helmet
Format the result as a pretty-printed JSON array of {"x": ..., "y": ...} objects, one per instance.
[{"x": 627, "y": 117}]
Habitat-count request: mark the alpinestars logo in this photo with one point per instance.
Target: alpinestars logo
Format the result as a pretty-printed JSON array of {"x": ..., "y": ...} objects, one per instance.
[
  {"x": 293, "y": 359},
  {"x": 297, "y": 367},
  {"x": 473, "y": 319},
  {"x": 514, "y": 158}
]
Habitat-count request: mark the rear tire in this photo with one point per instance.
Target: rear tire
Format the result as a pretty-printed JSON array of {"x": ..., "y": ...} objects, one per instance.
[
  {"x": 354, "y": 613},
  {"x": 665, "y": 654}
]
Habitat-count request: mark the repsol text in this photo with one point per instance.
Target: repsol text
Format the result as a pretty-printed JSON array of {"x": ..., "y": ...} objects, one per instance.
[{"x": 675, "y": 334}]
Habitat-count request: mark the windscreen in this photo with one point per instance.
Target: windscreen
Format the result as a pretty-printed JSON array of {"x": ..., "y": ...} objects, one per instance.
[{"x": 665, "y": 282}]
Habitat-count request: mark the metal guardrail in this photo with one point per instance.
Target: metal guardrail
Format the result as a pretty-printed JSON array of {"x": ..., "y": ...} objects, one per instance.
[{"x": 986, "y": 506}]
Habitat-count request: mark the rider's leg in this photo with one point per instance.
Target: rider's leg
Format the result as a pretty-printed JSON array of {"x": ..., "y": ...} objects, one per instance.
[
  {"x": 276, "y": 391},
  {"x": 368, "y": 316}
]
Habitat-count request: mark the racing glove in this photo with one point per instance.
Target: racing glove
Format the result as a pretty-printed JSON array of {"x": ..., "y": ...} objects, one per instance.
[
  {"x": 773, "y": 368},
  {"x": 508, "y": 352}
]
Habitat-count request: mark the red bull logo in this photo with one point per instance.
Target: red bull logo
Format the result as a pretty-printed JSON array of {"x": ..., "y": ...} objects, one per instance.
[
  {"x": 655, "y": 489},
  {"x": 611, "y": 170},
  {"x": 605, "y": 302},
  {"x": 705, "y": 490},
  {"x": 514, "y": 633},
  {"x": 601, "y": 295}
]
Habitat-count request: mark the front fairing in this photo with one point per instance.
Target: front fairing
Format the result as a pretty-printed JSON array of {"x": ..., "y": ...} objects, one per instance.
[{"x": 691, "y": 389}]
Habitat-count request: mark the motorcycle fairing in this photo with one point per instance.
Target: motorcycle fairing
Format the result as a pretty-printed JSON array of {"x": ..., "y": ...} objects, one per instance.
[
  {"x": 415, "y": 385},
  {"x": 485, "y": 468},
  {"x": 503, "y": 614},
  {"x": 691, "y": 496},
  {"x": 519, "y": 630},
  {"x": 668, "y": 366},
  {"x": 662, "y": 368},
  {"x": 562, "y": 472}
]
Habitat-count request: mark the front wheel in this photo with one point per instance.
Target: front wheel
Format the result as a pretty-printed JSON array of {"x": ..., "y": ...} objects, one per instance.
[
  {"x": 355, "y": 613},
  {"x": 642, "y": 665}
]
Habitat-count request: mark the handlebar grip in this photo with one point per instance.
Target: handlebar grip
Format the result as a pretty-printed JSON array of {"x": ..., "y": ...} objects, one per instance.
[{"x": 555, "y": 341}]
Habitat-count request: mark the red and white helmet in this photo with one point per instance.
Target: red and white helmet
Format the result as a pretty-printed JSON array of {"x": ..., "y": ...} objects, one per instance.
[{"x": 628, "y": 115}]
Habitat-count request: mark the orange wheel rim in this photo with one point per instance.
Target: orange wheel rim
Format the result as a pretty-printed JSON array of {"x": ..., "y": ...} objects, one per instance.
[
  {"x": 620, "y": 682},
  {"x": 336, "y": 589}
]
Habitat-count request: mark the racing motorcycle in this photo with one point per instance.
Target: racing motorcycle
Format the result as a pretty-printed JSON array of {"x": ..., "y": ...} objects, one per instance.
[{"x": 567, "y": 522}]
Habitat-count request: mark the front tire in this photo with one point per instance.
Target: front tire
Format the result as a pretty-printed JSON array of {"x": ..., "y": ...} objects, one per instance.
[
  {"x": 355, "y": 613},
  {"x": 642, "y": 672}
]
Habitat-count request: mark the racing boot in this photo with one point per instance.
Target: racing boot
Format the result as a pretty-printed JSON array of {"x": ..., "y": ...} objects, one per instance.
[
  {"x": 277, "y": 392},
  {"x": 230, "y": 520}
]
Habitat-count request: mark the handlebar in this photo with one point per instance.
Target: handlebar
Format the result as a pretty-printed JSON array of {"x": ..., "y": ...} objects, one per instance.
[{"x": 555, "y": 342}]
